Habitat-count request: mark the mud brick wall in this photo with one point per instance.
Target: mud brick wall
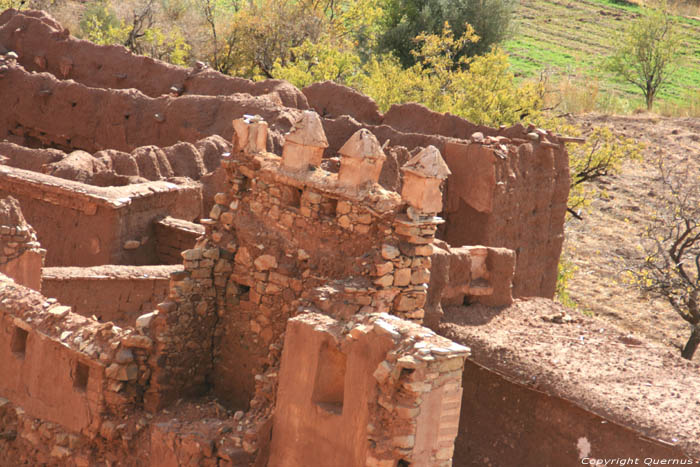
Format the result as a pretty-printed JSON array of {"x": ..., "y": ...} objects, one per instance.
[
  {"x": 28, "y": 158},
  {"x": 522, "y": 208},
  {"x": 173, "y": 236},
  {"x": 65, "y": 368},
  {"x": 82, "y": 225},
  {"x": 111, "y": 293},
  {"x": 133, "y": 119},
  {"x": 116, "y": 168},
  {"x": 510, "y": 192},
  {"x": 43, "y": 45},
  {"x": 374, "y": 389},
  {"x": 542, "y": 429},
  {"x": 512, "y": 196}
]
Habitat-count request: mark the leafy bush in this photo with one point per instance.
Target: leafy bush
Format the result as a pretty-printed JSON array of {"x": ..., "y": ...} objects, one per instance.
[
  {"x": 16, "y": 4},
  {"x": 600, "y": 156},
  {"x": 482, "y": 89},
  {"x": 310, "y": 63},
  {"x": 566, "y": 270},
  {"x": 99, "y": 24}
]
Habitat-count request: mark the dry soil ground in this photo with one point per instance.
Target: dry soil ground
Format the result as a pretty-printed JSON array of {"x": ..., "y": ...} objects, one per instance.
[{"x": 606, "y": 241}]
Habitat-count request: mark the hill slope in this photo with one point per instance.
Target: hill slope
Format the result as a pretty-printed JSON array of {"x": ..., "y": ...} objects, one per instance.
[{"x": 567, "y": 37}]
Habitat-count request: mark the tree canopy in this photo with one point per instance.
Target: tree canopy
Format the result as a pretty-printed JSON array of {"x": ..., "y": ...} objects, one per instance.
[{"x": 649, "y": 51}]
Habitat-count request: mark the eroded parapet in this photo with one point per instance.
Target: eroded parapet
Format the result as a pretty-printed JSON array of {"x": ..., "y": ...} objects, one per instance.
[
  {"x": 480, "y": 274},
  {"x": 65, "y": 368},
  {"x": 44, "y": 45},
  {"x": 21, "y": 257},
  {"x": 510, "y": 190},
  {"x": 374, "y": 390},
  {"x": 136, "y": 120}
]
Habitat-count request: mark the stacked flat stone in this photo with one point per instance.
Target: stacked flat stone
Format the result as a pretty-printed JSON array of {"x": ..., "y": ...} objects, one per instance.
[
  {"x": 16, "y": 236},
  {"x": 422, "y": 366}
]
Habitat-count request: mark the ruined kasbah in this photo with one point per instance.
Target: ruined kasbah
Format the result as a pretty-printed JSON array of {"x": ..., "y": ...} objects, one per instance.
[{"x": 199, "y": 270}]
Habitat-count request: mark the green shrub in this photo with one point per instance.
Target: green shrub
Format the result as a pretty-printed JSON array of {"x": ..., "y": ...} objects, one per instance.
[{"x": 99, "y": 24}]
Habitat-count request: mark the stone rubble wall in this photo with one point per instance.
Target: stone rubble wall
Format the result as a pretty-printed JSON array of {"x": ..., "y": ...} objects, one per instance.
[
  {"x": 83, "y": 225},
  {"x": 98, "y": 371},
  {"x": 21, "y": 255},
  {"x": 43, "y": 45},
  {"x": 223, "y": 323},
  {"x": 111, "y": 293}
]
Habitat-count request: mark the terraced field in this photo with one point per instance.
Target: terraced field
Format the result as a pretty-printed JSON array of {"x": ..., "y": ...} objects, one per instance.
[{"x": 572, "y": 37}]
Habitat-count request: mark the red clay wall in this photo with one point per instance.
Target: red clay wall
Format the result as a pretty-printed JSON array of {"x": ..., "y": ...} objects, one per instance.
[
  {"x": 173, "y": 236},
  {"x": 82, "y": 225},
  {"x": 308, "y": 434},
  {"x": 514, "y": 199},
  {"x": 42, "y": 379},
  {"x": 506, "y": 424},
  {"x": 25, "y": 269},
  {"x": 52, "y": 113},
  {"x": 111, "y": 293},
  {"x": 43, "y": 45}
]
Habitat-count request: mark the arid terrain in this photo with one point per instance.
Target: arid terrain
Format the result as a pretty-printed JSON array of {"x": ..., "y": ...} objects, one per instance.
[{"x": 607, "y": 240}]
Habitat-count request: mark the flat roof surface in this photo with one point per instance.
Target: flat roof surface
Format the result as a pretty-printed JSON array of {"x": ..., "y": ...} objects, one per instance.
[{"x": 644, "y": 385}]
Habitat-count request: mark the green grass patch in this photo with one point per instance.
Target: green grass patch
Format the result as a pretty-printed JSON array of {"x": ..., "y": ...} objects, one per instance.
[{"x": 565, "y": 38}]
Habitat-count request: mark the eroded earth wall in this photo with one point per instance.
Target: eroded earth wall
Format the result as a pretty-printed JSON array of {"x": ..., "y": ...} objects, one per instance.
[
  {"x": 44, "y": 45},
  {"x": 83, "y": 225},
  {"x": 528, "y": 189},
  {"x": 110, "y": 293}
]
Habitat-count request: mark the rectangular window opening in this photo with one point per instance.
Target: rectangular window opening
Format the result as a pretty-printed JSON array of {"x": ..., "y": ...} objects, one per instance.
[
  {"x": 329, "y": 206},
  {"x": 243, "y": 292},
  {"x": 81, "y": 376},
  {"x": 291, "y": 196},
  {"x": 19, "y": 342},
  {"x": 329, "y": 386}
]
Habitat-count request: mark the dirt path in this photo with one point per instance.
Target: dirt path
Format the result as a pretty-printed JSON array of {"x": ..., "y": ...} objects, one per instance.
[{"x": 604, "y": 244}]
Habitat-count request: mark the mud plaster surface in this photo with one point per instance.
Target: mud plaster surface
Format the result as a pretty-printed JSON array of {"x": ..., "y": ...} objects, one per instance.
[{"x": 630, "y": 381}]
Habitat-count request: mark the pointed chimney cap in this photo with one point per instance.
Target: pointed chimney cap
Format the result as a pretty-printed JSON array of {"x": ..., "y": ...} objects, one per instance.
[
  {"x": 363, "y": 145},
  {"x": 428, "y": 163},
  {"x": 308, "y": 131}
]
